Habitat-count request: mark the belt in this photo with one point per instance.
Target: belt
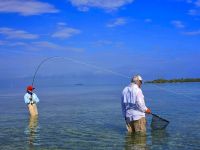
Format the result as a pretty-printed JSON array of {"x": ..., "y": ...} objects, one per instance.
[{"x": 31, "y": 103}]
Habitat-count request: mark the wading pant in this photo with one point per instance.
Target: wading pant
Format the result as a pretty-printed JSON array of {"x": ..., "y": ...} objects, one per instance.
[
  {"x": 33, "y": 109},
  {"x": 138, "y": 125}
]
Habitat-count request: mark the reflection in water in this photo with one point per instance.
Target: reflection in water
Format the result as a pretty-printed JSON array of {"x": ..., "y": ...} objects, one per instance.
[
  {"x": 159, "y": 137},
  {"x": 159, "y": 140},
  {"x": 32, "y": 131},
  {"x": 135, "y": 142}
]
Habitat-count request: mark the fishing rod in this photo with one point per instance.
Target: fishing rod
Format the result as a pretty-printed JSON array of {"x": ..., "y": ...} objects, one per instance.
[{"x": 40, "y": 64}]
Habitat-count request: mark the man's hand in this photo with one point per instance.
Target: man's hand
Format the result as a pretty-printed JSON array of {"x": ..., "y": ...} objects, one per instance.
[
  {"x": 148, "y": 111},
  {"x": 31, "y": 101}
]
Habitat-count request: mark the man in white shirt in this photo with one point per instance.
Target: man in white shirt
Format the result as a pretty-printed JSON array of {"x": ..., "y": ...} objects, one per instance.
[
  {"x": 31, "y": 99},
  {"x": 133, "y": 106}
]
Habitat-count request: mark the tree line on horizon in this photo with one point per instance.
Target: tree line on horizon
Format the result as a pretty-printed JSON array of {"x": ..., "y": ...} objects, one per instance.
[{"x": 161, "y": 80}]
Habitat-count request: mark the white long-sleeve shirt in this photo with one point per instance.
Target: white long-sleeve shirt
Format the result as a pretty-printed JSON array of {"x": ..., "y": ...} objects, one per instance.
[
  {"x": 27, "y": 97},
  {"x": 133, "y": 104}
]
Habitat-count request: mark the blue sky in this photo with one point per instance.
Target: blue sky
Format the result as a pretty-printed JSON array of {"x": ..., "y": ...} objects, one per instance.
[{"x": 159, "y": 38}]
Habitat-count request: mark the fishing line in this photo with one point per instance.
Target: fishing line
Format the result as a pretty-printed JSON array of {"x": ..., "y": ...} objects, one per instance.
[
  {"x": 78, "y": 62},
  {"x": 98, "y": 68},
  {"x": 173, "y": 92}
]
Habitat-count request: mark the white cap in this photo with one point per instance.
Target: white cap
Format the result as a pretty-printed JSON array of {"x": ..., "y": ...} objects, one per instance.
[{"x": 137, "y": 78}]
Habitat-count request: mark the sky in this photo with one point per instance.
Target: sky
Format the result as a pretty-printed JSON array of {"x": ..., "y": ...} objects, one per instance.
[{"x": 156, "y": 39}]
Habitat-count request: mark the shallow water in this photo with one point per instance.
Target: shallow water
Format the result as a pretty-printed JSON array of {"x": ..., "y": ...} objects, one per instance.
[{"x": 89, "y": 117}]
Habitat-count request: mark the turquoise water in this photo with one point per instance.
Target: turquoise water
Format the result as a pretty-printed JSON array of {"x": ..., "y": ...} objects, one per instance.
[{"x": 89, "y": 117}]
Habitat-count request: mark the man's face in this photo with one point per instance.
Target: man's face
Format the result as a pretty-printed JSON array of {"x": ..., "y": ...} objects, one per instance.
[
  {"x": 30, "y": 91},
  {"x": 139, "y": 83}
]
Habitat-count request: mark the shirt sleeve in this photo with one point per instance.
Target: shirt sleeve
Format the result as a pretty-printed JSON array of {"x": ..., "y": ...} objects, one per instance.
[
  {"x": 140, "y": 102},
  {"x": 26, "y": 99},
  {"x": 35, "y": 98}
]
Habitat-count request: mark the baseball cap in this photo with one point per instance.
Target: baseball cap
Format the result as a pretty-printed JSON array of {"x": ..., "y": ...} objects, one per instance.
[{"x": 30, "y": 88}]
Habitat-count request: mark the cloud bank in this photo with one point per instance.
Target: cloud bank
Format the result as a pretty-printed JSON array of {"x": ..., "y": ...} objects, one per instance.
[
  {"x": 65, "y": 32},
  {"x": 110, "y": 5},
  {"x": 117, "y": 22},
  {"x": 178, "y": 24},
  {"x": 26, "y": 7},
  {"x": 11, "y": 33}
]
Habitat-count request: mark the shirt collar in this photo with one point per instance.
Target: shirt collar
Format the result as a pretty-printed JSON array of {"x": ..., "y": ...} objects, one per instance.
[{"x": 134, "y": 85}]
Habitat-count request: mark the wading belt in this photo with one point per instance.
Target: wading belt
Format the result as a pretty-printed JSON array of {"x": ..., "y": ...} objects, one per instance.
[{"x": 31, "y": 99}]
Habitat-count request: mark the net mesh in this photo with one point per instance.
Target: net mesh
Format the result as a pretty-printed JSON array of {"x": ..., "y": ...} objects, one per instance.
[{"x": 158, "y": 123}]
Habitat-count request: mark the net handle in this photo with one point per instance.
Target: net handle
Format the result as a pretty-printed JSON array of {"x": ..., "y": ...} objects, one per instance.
[{"x": 159, "y": 117}]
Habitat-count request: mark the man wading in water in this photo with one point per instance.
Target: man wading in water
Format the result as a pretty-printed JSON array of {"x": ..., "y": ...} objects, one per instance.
[
  {"x": 133, "y": 106},
  {"x": 31, "y": 99}
]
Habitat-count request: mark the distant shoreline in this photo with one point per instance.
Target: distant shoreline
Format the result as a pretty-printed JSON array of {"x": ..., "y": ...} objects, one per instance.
[{"x": 181, "y": 80}]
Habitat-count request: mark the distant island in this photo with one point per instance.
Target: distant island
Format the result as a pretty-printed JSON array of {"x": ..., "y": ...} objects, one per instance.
[
  {"x": 174, "y": 80},
  {"x": 79, "y": 84}
]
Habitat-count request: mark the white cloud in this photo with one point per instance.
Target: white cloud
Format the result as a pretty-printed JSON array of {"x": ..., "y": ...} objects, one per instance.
[
  {"x": 61, "y": 24},
  {"x": 189, "y": 1},
  {"x": 107, "y": 44},
  {"x": 52, "y": 46},
  {"x": 178, "y": 24},
  {"x": 194, "y": 2},
  {"x": 46, "y": 44},
  {"x": 38, "y": 46},
  {"x": 65, "y": 32},
  {"x": 148, "y": 20},
  {"x": 13, "y": 43},
  {"x": 26, "y": 7},
  {"x": 17, "y": 44},
  {"x": 17, "y": 34},
  {"x": 195, "y": 11},
  {"x": 117, "y": 22},
  {"x": 197, "y": 3},
  {"x": 84, "y": 5},
  {"x": 192, "y": 12},
  {"x": 192, "y": 33}
]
